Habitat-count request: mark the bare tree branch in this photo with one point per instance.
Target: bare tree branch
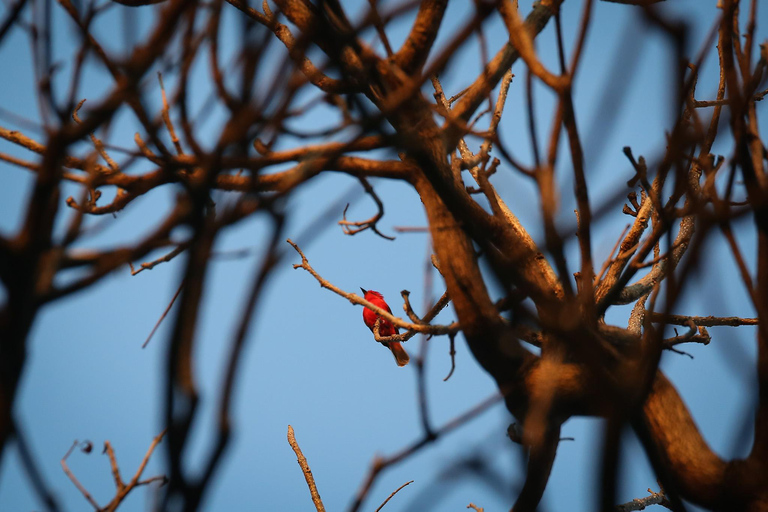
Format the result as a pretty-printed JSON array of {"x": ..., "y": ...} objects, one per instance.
[{"x": 308, "y": 472}]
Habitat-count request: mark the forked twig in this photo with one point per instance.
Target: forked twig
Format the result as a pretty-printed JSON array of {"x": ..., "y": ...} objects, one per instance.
[
  {"x": 356, "y": 299},
  {"x": 381, "y": 463},
  {"x": 96, "y": 141},
  {"x": 122, "y": 488},
  {"x": 74, "y": 479},
  {"x": 354, "y": 227}
]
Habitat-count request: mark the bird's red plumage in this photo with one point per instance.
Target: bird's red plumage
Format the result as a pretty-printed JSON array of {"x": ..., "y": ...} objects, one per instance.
[
  {"x": 386, "y": 328},
  {"x": 369, "y": 316}
]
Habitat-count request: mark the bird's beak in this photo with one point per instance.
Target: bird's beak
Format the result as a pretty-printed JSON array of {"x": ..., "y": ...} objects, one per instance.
[{"x": 363, "y": 290}]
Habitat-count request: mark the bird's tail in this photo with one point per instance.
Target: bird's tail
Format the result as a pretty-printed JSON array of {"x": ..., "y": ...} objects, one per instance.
[{"x": 401, "y": 356}]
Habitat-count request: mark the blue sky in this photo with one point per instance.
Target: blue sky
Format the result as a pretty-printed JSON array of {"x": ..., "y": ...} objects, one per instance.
[{"x": 310, "y": 361}]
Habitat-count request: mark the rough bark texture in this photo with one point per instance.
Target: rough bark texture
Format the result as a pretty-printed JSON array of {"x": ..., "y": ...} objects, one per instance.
[{"x": 585, "y": 367}]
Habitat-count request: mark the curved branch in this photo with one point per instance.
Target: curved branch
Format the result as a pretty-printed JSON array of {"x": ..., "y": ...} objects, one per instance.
[
  {"x": 696, "y": 471},
  {"x": 137, "y": 3},
  {"x": 382, "y": 463},
  {"x": 313, "y": 159},
  {"x": 383, "y": 313},
  {"x": 295, "y": 51},
  {"x": 107, "y": 262},
  {"x": 522, "y": 40},
  {"x": 350, "y": 227},
  {"x": 318, "y": 29},
  {"x": 414, "y": 52},
  {"x": 494, "y": 71},
  {"x": 540, "y": 460},
  {"x": 634, "y": 291}
]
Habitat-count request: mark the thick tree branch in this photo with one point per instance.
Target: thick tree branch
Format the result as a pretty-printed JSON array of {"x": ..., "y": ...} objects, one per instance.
[
  {"x": 414, "y": 52},
  {"x": 494, "y": 71}
]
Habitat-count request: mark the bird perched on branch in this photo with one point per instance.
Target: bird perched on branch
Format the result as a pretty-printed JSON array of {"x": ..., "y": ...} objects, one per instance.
[{"x": 385, "y": 326}]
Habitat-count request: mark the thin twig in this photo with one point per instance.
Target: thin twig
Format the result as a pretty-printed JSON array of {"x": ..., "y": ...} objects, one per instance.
[
  {"x": 33, "y": 472},
  {"x": 379, "y": 25},
  {"x": 305, "y": 469},
  {"x": 704, "y": 321},
  {"x": 167, "y": 117},
  {"x": 74, "y": 479},
  {"x": 381, "y": 463},
  {"x": 113, "y": 464},
  {"x": 411, "y": 229},
  {"x": 694, "y": 335},
  {"x": 354, "y": 227},
  {"x": 162, "y": 317},
  {"x": 452, "y": 353},
  {"x": 391, "y": 495},
  {"x": 163, "y": 259},
  {"x": 122, "y": 488},
  {"x": 655, "y": 498},
  {"x": 96, "y": 142},
  {"x": 609, "y": 259},
  {"x": 356, "y": 299},
  {"x": 136, "y": 480}
]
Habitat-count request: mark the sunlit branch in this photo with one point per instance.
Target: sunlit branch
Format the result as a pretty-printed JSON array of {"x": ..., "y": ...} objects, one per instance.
[
  {"x": 355, "y": 299},
  {"x": 304, "y": 465}
]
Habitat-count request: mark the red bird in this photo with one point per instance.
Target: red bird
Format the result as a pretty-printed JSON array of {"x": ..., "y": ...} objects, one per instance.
[{"x": 385, "y": 326}]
